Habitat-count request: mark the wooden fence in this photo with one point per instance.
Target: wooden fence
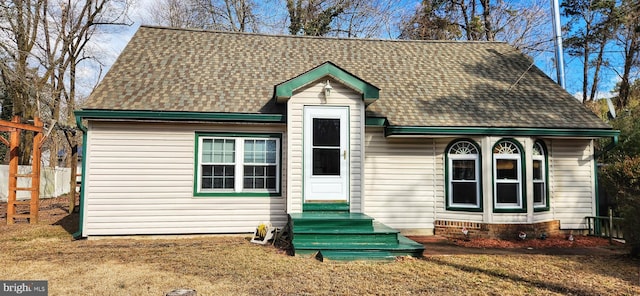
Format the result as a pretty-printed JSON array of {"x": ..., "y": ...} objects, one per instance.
[{"x": 609, "y": 227}]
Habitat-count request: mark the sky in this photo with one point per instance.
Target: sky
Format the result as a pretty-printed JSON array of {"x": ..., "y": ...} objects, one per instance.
[{"x": 111, "y": 43}]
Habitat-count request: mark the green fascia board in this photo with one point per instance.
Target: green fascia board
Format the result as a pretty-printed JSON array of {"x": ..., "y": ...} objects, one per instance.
[
  {"x": 78, "y": 234},
  {"x": 376, "y": 121},
  {"x": 369, "y": 92},
  {"x": 180, "y": 116},
  {"x": 498, "y": 131}
]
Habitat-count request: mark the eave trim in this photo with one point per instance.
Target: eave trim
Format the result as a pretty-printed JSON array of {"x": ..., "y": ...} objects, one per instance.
[
  {"x": 180, "y": 116},
  {"x": 391, "y": 131}
]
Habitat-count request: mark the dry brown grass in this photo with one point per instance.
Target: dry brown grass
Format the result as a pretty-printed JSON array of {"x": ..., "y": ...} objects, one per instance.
[{"x": 233, "y": 266}]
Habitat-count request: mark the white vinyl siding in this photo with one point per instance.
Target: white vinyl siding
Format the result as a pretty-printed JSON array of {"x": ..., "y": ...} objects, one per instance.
[
  {"x": 403, "y": 180},
  {"x": 140, "y": 180},
  {"x": 313, "y": 95},
  {"x": 572, "y": 181}
]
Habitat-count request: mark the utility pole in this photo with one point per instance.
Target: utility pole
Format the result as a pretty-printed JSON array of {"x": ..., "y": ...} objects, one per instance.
[{"x": 557, "y": 32}]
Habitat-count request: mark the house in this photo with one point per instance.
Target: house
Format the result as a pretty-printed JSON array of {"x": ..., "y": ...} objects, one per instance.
[{"x": 215, "y": 132}]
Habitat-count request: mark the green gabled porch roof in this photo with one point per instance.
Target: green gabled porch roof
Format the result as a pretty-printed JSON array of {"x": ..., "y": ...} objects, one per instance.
[{"x": 369, "y": 92}]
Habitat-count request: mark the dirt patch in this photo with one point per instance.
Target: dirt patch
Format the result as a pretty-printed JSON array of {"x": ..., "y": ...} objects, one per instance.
[{"x": 53, "y": 211}]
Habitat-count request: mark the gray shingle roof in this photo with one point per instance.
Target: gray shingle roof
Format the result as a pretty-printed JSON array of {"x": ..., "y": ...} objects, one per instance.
[{"x": 422, "y": 83}]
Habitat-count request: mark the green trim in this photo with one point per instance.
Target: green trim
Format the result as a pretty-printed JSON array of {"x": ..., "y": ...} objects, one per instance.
[
  {"x": 547, "y": 206},
  {"x": 497, "y": 131},
  {"x": 611, "y": 145},
  {"x": 237, "y": 194},
  {"x": 197, "y": 193},
  {"x": 597, "y": 187},
  {"x": 181, "y": 116},
  {"x": 523, "y": 181},
  {"x": 321, "y": 206},
  {"x": 376, "y": 121},
  {"x": 78, "y": 234},
  {"x": 369, "y": 92},
  {"x": 446, "y": 178}
]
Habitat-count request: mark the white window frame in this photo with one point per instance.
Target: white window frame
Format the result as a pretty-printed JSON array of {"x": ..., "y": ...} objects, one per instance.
[
  {"x": 540, "y": 156},
  {"x": 508, "y": 156},
  {"x": 468, "y": 156},
  {"x": 239, "y": 165}
]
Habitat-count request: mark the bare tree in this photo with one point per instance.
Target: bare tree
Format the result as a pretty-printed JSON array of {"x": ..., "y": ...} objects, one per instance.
[
  {"x": 68, "y": 29},
  {"x": 178, "y": 14},
  {"x": 313, "y": 17},
  {"x": 43, "y": 43},
  {"x": 523, "y": 24},
  {"x": 364, "y": 19},
  {"x": 224, "y": 15}
]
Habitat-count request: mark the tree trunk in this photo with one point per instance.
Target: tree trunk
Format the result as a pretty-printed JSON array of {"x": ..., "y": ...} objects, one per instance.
[
  {"x": 486, "y": 15},
  {"x": 598, "y": 64}
]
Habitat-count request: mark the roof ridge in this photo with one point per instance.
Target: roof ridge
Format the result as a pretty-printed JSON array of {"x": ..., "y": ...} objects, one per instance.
[{"x": 318, "y": 37}]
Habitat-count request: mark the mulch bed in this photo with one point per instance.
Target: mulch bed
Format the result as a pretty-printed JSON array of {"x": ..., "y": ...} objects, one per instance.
[{"x": 578, "y": 241}]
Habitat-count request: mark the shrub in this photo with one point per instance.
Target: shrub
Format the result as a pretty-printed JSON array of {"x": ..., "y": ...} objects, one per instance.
[{"x": 622, "y": 180}]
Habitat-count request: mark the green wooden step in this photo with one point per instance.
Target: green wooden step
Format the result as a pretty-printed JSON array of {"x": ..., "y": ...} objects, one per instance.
[
  {"x": 348, "y": 236},
  {"x": 329, "y": 220},
  {"x": 354, "y": 255},
  {"x": 325, "y": 207},
  {"x": 377, "y": 233},
  {"x": 362, "y": 252}
]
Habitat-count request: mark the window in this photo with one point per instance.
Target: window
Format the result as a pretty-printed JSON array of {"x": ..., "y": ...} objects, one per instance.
[
  {"x": 241, "y": 164},
  {"x": 463, "y": 174},
  {"x": 507, "y": 172},
  {"x": 540, "y": 198}
]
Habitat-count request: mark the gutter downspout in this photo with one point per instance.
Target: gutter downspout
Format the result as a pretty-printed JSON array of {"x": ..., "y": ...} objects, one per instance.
[
  {"x": 78, "y": 234},
  {"x": 613, "y": 144}
]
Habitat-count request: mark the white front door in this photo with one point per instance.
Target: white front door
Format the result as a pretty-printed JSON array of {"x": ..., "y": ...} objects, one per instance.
[{"x": 326, "y": 154}]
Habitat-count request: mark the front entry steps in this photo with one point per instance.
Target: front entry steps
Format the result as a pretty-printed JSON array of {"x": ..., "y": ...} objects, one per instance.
[{"x": 348, "y": 236}]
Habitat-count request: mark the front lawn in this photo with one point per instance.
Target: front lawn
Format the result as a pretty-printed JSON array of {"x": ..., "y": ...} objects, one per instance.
[{"x": 233, "y": 266}]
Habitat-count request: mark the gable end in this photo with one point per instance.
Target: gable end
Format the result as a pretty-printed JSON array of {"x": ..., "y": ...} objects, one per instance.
[{"x": 284, "y": 91}]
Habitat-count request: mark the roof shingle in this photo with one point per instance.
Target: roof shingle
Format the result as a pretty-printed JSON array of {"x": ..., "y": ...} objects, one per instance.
[{"x": 422, "y": 83}]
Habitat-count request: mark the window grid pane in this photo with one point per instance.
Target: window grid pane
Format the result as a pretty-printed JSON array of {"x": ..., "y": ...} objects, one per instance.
[
  {"x": 260, "y": 151},
  {"x": 259, "y": 177},
  {"x": 217, "y": 177}
]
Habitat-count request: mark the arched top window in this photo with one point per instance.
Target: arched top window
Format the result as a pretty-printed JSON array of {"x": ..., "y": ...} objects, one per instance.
[
  {"x": 463, "y": 176},
  {"x": 463, "y": 148},
  {"x": 508, "y": 185},
  {"x": 540, "y": 191},
  {"x": 506, "y": 147}
]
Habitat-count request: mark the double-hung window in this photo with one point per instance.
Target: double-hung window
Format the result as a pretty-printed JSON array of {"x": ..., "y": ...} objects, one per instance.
[
  {"x": 237, "y": 164},
  {"x": 463, "y": 181},
  {"x": 540, "y": 198},
  {"x": 508, "y": 177}
]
